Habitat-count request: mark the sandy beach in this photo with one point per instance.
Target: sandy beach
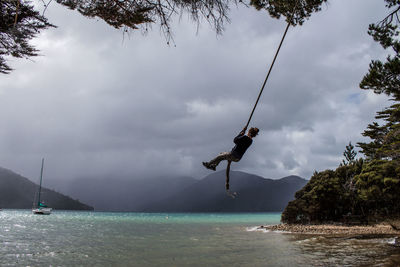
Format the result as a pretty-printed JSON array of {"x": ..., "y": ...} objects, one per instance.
[{"x": 331, "y": 229}]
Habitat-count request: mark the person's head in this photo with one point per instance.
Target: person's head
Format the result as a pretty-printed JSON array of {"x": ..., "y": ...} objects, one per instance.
[{"x": 253, "y": 132}]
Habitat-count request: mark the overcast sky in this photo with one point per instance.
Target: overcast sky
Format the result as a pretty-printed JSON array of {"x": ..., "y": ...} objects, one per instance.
[{"x": 100, "y": 103}]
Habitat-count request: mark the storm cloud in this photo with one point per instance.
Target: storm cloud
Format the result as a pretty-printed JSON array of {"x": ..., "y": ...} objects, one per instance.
[{"x": 100, "y": 102}]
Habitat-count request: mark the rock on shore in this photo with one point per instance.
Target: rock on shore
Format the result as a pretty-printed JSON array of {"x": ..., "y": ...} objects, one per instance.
[{"x": 331, "y": 229}]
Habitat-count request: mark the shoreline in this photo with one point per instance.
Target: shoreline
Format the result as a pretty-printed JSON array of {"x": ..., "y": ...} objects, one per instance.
[{"x": 332, "y": 229}]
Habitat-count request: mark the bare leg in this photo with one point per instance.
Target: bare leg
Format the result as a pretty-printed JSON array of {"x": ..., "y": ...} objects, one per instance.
[{"x": 228, "y": 169}]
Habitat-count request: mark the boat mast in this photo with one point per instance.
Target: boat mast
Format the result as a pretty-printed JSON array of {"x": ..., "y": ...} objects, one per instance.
[{"x": 40, "y": 184}]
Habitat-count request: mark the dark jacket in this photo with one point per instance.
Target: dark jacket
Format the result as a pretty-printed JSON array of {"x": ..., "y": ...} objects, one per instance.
[{"x": 242, "y": 144}]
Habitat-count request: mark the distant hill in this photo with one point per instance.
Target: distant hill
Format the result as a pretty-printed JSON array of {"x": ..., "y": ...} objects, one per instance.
[
  {"x": 184, "y": 194},
  {"x": 123, "y": 193},
  {"x": 17, "y": 192},
  {"x": 255, "y": 194}
]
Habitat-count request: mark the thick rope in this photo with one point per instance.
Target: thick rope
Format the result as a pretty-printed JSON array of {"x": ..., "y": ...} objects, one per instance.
[{"x": 272, "y": 65}]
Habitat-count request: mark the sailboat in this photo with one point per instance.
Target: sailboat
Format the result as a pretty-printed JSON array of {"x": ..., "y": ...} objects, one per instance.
[{"x": 38, "y": 207}]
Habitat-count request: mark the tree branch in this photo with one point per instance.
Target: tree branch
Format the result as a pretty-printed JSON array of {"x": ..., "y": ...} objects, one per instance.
[
  {"x": 16, "y": 13},
  {"x": 389, "y": 18}
]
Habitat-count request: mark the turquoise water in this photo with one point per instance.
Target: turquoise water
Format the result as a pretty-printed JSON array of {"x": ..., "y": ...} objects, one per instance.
[{"x": 142, "y": 239}]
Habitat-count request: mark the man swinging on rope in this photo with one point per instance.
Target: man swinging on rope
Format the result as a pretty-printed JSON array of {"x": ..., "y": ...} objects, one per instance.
[{"x": 242, "y": 142}]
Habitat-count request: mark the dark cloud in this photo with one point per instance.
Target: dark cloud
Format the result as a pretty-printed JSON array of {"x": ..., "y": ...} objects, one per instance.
[{"x": 98, "y": 102}]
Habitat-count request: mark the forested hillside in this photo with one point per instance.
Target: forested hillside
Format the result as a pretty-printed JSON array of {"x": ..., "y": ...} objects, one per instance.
[{"x": 17, "y": 192}]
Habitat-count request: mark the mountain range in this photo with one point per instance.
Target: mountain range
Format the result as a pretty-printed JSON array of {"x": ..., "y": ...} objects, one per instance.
[
  {"x": 185, "y": 194},
  {"x": 254, "y": 194},
  {"x": 158, "y": 194}
]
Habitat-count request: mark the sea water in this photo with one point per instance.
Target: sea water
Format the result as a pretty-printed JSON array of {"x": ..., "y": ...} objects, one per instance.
[{"x": 168, "y": 239}]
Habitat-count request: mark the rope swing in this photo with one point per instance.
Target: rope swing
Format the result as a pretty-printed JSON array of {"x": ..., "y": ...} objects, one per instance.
[
  {"x": 233, "y": 194},
  {"x": 272, "y": 64}
]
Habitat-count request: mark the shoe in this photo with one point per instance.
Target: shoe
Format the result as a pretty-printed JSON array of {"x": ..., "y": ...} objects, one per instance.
[{"x": 208, "y": 166}]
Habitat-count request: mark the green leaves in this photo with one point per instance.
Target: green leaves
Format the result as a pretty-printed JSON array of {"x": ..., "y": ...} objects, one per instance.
[
  {"x": 349, "y": 154},
  {"x": 295, "y": 10},
  {"x": 326, "y": 197},
  {"x": 384, "y": 77},
  {"x": 383, "y": 33},
  {"x": 367, "y": 189},
  {"x": 378, "y": 187}
]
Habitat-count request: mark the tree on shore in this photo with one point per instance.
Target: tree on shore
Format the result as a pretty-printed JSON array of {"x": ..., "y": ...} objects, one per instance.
[
  {"x": 20, "y": 21},
  {"x": 349, "y": 154},
  {"x": 379, "y": 183}
]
